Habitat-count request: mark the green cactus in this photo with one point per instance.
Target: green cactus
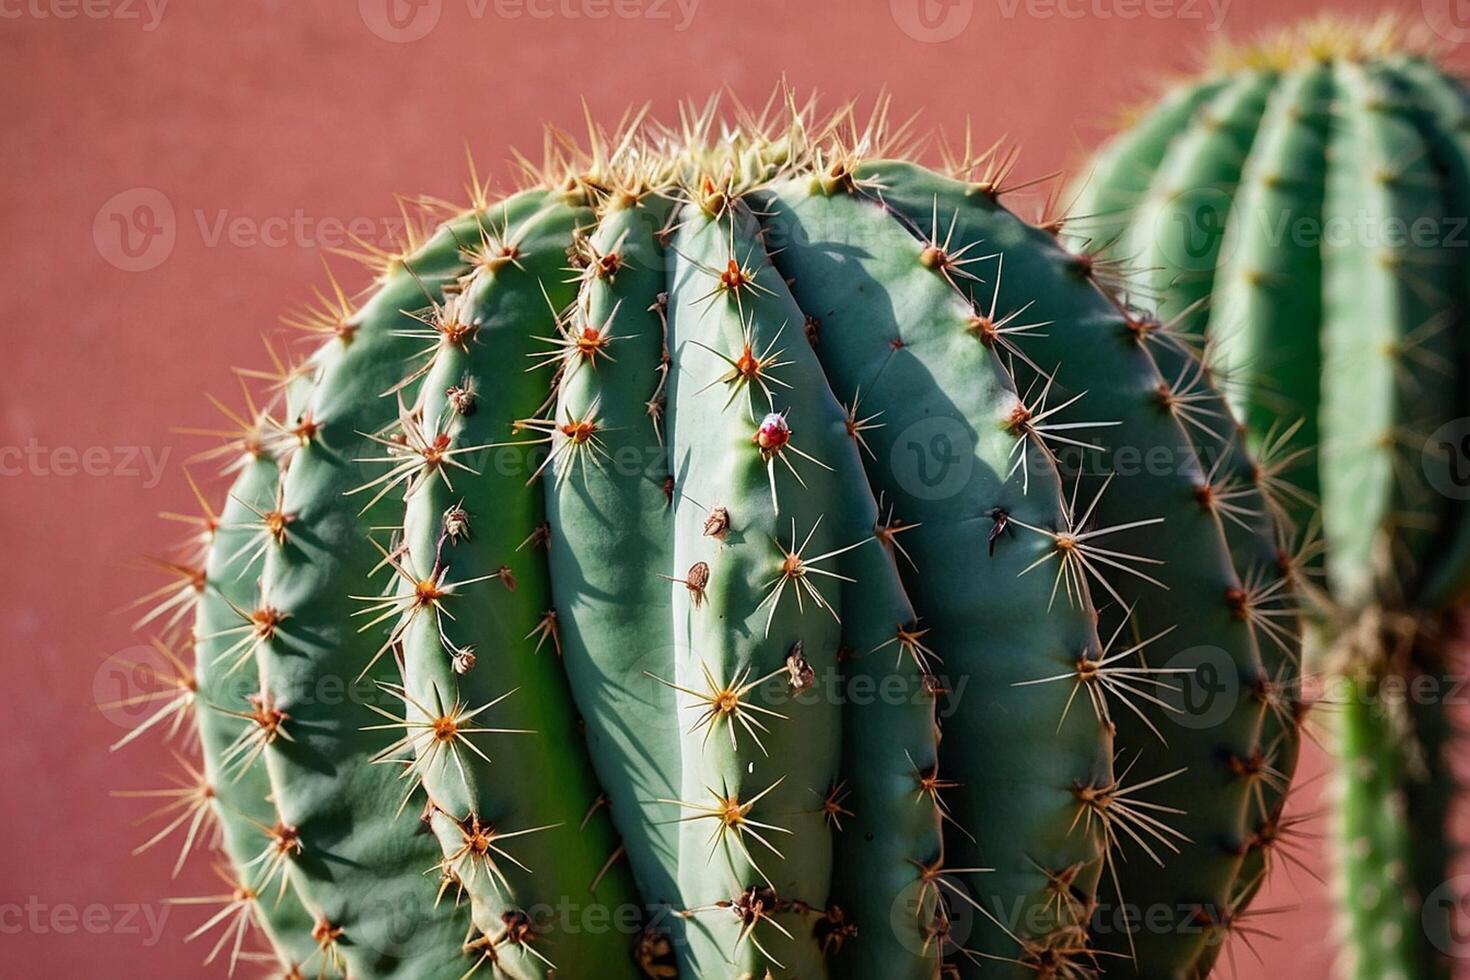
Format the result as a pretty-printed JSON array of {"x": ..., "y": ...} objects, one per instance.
[
  {"x": 731, "y": 558},
  {"x": 1299, "y": 215}
]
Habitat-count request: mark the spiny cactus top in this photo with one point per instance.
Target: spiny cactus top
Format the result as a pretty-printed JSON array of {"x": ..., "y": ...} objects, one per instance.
[
  {"x": 1303, "y": 210},
  {"x": 1303, "y": 207},
  {"x": 741, "y": 555}
]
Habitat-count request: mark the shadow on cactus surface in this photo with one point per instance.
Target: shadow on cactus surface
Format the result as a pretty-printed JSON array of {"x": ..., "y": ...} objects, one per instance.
[
  {"x": 741, "y": 552},
  {"x": 1300, "y": 216}
]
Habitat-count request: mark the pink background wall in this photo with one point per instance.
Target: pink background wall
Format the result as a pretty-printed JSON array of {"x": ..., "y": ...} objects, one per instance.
[{"x": 279, "y": 121}]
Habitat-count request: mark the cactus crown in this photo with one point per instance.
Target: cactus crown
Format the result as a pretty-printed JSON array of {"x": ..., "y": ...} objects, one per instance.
[
  {"x": 659, "y": 518},
  {"x": 1286, "y": 188},
  {"x": 1326, "y": 38}
]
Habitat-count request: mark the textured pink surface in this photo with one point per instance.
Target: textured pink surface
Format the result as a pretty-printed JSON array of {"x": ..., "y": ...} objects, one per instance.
[{"x": 264, "y": 127}]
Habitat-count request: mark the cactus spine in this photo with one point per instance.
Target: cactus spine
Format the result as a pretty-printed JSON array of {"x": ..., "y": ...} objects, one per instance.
[
  {"x": 738, "y": 552},
  {"x": 1298, "y": 214}
]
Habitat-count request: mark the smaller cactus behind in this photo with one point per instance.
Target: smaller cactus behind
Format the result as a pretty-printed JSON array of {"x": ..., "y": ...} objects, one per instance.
[
  {"x": 738, "y": 559},
  {"x": 1299, "y": 213}
]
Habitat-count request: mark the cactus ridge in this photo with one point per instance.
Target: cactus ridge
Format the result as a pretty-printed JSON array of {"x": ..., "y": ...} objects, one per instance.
[
  {"x": 1262, "y": 203},
  {"x": 253, "y": 836},
  {"x": 1180, "y": 596},
  {"x": 722, "y": 558}
]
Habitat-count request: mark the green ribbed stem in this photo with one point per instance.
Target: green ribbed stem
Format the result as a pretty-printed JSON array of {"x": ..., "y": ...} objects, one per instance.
[
  {"x": 1306, "y": 221},
  {"x": 726, "y": 600}
]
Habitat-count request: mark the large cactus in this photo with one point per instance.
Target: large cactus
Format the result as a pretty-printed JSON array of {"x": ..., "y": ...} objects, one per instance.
[
  {"x": 743, "y": 557},
  {"x": 1300, "y": 213}
]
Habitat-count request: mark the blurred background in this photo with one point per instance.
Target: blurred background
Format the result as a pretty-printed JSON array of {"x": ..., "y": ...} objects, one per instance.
[{"x": 173, "y": 171}]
